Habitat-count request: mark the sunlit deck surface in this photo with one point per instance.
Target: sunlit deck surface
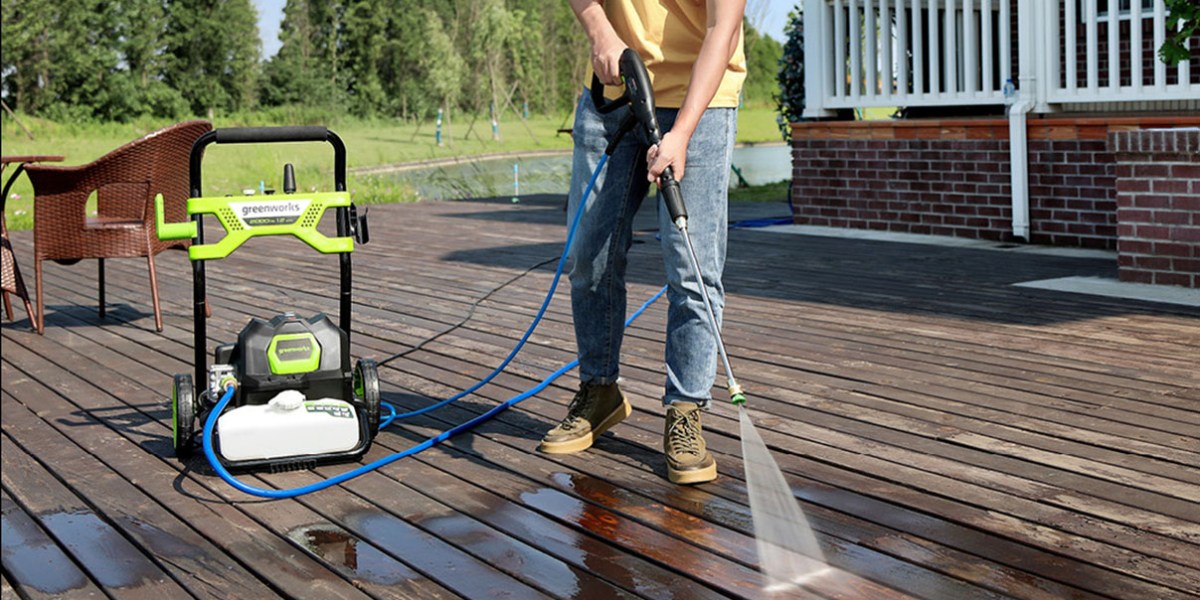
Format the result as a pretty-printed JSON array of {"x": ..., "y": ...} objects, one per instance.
[{"x": 949, "y": 435}]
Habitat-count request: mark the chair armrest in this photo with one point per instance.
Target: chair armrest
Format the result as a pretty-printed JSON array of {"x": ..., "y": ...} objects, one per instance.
[{"x": 60, "y": 196}]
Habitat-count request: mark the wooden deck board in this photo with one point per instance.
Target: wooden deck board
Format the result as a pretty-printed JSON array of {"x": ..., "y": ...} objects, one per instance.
[{"x": 948, "y": 435}]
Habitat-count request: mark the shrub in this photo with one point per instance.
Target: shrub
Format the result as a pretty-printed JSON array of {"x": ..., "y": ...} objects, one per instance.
[{"x": 791, "y": 75}]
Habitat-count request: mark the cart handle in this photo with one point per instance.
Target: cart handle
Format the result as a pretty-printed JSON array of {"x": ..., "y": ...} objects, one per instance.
[
  {"x": 264, "y": 135},
  {"x": 267, "y": 135},
  {"x": 247, "y": 217}
]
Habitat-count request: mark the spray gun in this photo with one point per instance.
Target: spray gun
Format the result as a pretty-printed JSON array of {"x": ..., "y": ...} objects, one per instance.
[{"x": 640, "y": 98}]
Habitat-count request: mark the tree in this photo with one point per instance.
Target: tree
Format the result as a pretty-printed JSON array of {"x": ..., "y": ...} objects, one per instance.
[
  {"x": 140, "y": 33},
  {"x": 290, "y": 74},
  {"x": 62, "y": 58},
  {"x": 440, "y": 62},
  {"x": 762, "y": 67},
  {"x": 791, "y": 75},
  {"x": 1183, "y": 22},
  {"x": 491, "y": 35},
  {"x": 212, "y": 50},
  {"x": 362, "y": 41},
  {"x": 25, "y": 47}
]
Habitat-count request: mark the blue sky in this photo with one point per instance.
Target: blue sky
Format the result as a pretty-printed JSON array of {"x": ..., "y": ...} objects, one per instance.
[
  {"x": 769, "y": 16},
  {"x": 270, "y": 13}
]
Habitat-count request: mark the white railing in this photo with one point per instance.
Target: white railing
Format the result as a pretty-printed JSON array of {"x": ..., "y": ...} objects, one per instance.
[
  {"x": 863, "y": 53},
  {"x": 1121, "y": 33}
]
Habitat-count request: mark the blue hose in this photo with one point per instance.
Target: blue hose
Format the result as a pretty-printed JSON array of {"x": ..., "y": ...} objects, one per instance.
[
  {"x": 562, "y": 261},
  {"x": 227, "y": 396}
]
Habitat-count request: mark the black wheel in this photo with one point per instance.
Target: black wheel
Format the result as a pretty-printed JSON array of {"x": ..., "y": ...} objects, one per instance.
[
  {"x": 366, "y": 389},
  {"x": 183, "y": 416}
]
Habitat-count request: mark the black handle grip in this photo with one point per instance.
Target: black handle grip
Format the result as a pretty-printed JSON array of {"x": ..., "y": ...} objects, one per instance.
[
  {"x": 672, "y": 197},
  {"x": 640, "y": 98},
  {"x": 266, "y": 135},
  {"x": 640, "y": 94},
  {"x": 604, "y": 105}
]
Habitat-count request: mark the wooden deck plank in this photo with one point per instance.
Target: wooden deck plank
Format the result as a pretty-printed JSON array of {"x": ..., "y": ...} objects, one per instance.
[
  {"x": 37, "y": 562},
  {"x": 600, "y": 507},
  {"x": 99, "y": 547},
  {"x": 291, "y": 572},
  {"x": 381, "y": 570},
  {"x": 648, "y": 439},
  {"x": 940, "y": 433},
  {"x": 667, "y": 582},
  {"x": 194, "y": 561},
  {"x": 522, "y": 559}
]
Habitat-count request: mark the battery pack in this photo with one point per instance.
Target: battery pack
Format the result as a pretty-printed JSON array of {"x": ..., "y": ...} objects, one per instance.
[{"x": 289, "y": 425}]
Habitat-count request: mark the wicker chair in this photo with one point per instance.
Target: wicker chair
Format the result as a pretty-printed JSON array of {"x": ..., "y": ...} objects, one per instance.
[
  {"x": 10, "y": 276},
  {"x": 125, "y": 182}
]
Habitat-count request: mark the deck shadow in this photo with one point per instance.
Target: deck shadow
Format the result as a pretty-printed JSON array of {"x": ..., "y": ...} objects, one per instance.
[
  {"x": 76, "y": 315},
  {"x": 973, "y": 284}
]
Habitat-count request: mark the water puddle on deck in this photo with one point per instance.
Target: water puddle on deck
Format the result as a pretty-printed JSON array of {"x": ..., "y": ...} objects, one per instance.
[
  {"x": 108, "y": 557},
  {"x": 524, "y": 561},
  {"x": 347, "y": 553},
  {"x": 614, "y": 530},
  {"x": 32, "y": 559}
]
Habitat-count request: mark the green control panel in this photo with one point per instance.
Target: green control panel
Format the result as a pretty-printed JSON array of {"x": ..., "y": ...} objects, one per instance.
[{"x": 244, "y": 217}]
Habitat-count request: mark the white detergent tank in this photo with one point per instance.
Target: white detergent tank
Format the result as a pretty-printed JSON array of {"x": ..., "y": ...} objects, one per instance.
[{"x": 288, "y": 425}]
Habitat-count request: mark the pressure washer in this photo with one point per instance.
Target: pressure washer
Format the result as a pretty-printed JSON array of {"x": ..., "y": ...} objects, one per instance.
[{"x": 293, "y": 399}]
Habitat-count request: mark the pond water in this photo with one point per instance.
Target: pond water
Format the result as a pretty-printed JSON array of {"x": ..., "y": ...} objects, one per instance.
[{"x": 552, "y": 174}]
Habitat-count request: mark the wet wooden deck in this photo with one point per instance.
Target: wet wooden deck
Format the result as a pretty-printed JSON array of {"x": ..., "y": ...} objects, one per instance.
[{"x": 949, "y": 435}]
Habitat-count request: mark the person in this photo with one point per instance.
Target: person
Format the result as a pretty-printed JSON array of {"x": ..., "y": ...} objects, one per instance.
[{"x": 693, "y": 52}]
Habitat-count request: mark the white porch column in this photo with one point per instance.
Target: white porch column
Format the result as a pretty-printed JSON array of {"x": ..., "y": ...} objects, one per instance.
[{"x": 818, "y": 58}]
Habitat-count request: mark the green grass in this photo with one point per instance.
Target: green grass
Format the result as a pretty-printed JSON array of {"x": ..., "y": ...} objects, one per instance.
[
  {"x": 230, "y": 169},
  {"x": 771, "y": 192},
  {"x": 876, "y": 113}
]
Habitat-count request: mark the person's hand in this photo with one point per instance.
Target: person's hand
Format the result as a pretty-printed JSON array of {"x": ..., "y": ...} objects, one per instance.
[
  {"x": 606, "y": 59},
  {"x": 671, "y": 152}
]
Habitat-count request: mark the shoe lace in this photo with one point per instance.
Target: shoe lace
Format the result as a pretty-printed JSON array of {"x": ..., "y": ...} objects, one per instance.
[
  {"x": 580, "y": 405},
  {"x": 683, "y": 436}
]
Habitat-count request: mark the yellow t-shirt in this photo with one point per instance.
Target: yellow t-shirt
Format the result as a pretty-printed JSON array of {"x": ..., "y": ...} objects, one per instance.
[{"x": 667, "y": 34}]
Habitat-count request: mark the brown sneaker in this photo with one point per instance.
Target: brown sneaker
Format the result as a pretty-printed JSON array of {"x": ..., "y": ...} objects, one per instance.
[
  {"x": 593, "y": 411},
  {"x": 688, "y": 459}
]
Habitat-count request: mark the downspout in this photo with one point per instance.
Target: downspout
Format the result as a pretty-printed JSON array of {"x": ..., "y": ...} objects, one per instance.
[
  {"x": 1018, "y": 153},
  {"x": 1022, "y": 100}
]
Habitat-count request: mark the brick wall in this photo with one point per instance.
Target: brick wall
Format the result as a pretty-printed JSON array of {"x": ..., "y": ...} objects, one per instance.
[
  {"x": 951, "y": 177},
  {"x": 927, "y": 186},
  {"x": 1158, "y": 205},
  {"x": 1072, "y": 194}
]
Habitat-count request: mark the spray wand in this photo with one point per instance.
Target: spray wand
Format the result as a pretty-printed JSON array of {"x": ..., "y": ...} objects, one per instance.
[{"x": 640, "y": 98}]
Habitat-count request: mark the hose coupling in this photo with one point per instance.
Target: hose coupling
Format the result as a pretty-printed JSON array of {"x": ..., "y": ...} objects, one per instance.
[{"x": 735, "y": 394}]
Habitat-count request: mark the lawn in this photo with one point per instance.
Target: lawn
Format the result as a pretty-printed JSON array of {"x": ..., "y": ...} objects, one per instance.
[{"x": 232, "y": 168}]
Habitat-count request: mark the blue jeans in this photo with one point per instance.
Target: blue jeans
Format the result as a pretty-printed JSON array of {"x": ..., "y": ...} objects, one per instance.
[{"x": 605, "y": 234}]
